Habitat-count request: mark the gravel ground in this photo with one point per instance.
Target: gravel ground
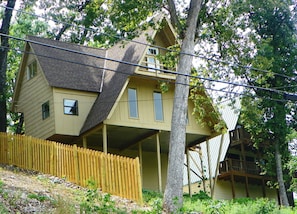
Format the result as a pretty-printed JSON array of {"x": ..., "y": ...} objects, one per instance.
[{"x": 24, "y": 191}]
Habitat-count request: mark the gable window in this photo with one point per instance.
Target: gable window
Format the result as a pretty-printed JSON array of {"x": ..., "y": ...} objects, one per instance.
[
  {"x": 70, "y": 107},
  {"x": 158, "y": 106},
  {"x": 31, "y": 70},
  {"x": 152, "y": 61},
  {"x": 132, "y": 102},
  {"x": 45, "y": 110}
]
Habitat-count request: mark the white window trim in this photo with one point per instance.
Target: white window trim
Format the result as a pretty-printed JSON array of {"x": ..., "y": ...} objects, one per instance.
[
  {"x": 136, "y": 104},
  {"x": 155, "y": 64},
  {"x": 155, "y": 109}
]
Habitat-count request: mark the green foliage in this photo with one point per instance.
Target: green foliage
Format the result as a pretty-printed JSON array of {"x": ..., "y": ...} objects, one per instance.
[
  {"x": 63, "y": 206},
  {"x": 24, "y": 25},
  {"x": 237, "y": 206},
  {"x": 1, "y": 186},
  {"x": 292, "y": 166},
  {"x": 149, "y": 195},
  {"x": 38, "y": 197},
  {"x": 203, "y": 112},
  {"x": 95, "y": 202},
  {"x": 3, "y": 209},
  {"x": 201, "y": 196}
]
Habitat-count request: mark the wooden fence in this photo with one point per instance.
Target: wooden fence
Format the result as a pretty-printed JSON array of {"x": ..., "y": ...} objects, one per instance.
[{"x": 111, "y": 173}]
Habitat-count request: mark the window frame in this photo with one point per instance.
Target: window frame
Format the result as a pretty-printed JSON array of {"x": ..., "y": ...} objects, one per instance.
[
  {"x": 67, "y": 106},
  {"x": 45, "y": 110},
  {"x": 154, "y": 64},
  {"x": 158, "y": 107},
  {"x": 31, "y": 70},
  {"x": 133, "y": 104}
]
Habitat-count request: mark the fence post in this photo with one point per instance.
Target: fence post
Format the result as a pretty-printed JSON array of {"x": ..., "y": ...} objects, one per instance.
[
  {"x": 9, "y": 148},
  {"x": 76, "y": 164},
  {"x": 138, "y": 177},
  {"x": 52, "y": 163}
]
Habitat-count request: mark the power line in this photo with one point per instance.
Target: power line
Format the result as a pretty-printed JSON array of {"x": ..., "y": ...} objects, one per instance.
[
  {"x": 146, "y": 44},
  {"x": 136, "y": 65},
  {"x": 143, "y": 66}
]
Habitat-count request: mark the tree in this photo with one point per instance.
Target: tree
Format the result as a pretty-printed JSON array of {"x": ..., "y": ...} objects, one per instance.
[
  {"x": 24, "y": 24},
  {"x": 3, "y": 63},
  {"x": 276, "y": 47},
  {"x": 269, "y": 36},
  {"x": 173, "y": 195}
]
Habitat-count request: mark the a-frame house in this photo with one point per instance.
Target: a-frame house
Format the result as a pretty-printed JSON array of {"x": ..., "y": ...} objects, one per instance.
[{"x": 106, "y": 99}]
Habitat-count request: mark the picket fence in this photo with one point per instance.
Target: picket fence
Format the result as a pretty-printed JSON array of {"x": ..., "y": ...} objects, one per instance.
[{"x": 111, "y": 173}]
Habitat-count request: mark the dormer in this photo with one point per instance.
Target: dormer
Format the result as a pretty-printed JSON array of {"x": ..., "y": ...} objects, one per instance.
[{"x": 161, "y": 40}]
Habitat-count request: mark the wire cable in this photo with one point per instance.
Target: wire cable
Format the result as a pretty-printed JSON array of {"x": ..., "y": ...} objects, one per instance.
[
  {"x": 143, "y": 66},
  {"x": 159, "y": 47},
  {"x": 149, "y": 77},
  {"x": 147, "y": 67}
]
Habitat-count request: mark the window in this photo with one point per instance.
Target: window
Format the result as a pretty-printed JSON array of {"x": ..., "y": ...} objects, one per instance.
[
  {"x": 132, "y": 101},
  {"x": 70, "y": 107},
  {"x": 158, "y": 106},
  {"x": 45, "y": 110},
  {"x": 152, "y": 61},
  {"x": 31, "y": 70}
]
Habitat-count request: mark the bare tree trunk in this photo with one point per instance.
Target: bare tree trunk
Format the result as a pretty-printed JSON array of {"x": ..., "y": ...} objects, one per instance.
[
  {"x": 173, "y": 196},
  {"x": 279, "y": 172},
  {"x": 3, "y": 63}
]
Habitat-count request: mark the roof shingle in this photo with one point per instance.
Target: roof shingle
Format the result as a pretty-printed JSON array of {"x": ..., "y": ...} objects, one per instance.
[{"x": 66, "y": 69}]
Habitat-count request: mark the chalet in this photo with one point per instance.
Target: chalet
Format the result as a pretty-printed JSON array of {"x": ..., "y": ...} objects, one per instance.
[{"x": 106, "y": 99}]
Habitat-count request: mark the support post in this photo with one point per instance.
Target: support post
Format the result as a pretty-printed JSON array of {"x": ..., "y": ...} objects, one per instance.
[
  {"x": 202, "y": 170},
  {"x": 159, "y": 162},
  {"x": 104, "y": 134},
  {"x": 140, "y": 160},
  {"x": 247, "y": 186},
  {"x": 232, "y": 186},
  {"x": 263, "y": 188},
  {"x": 189, "y": 174},
  {"x": 85, "y": 145},
  {"x": 209, "y": 168},
  {"x": 218, "y": 162}
]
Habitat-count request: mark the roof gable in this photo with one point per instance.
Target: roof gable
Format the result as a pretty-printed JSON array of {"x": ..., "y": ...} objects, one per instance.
[
  {"x": 115, "y": 77},
  {"x": 67, "y": 65},
  {"x": 128, "y": 56}
]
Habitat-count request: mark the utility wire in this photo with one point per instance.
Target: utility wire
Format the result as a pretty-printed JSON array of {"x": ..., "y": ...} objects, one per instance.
[
  {"x": 145, "y": 67},
  {"x": 146, "y": 44},
  {"x": 124, "y": 73}
]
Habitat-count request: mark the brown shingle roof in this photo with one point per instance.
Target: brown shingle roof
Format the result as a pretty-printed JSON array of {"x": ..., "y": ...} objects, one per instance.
[
  {"x": 66, "y": 69},
  {"x": 115, "y": 80}
]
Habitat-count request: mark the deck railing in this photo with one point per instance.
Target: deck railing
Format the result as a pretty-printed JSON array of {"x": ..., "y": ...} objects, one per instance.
[
  {"x": 238, "y": 165},
  {"x": 111, "y": 173}
]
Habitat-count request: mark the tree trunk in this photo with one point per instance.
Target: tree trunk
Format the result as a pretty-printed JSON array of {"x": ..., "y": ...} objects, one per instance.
[
  {"x": 279, "y": 172},
  {"x": 3, "y": 63},
  {"x": 173, "y": 196}
]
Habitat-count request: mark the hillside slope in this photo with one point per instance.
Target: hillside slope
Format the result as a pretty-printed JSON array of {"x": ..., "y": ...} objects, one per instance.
[{"x": 23, "y": 191}]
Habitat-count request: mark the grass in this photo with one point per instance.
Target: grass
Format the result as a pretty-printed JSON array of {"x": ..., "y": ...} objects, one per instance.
[
  {"x": 202, "y": 203},
  {"x": 92, "y": 201}
]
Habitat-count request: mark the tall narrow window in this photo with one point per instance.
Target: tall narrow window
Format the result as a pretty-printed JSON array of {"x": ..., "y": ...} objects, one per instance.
[
  {"x": 132, "y": 100},
  {"x": 45, "y": 110},
  {"x": 152, "y": 61},
  {"x": 70, "y": 107},
  {"x": 158, "y": 106},
  {"x": 31, "y": 70}
]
